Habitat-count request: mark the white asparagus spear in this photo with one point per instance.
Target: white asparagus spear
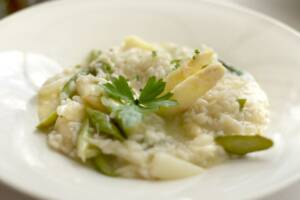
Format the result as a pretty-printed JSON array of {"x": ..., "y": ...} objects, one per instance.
[
  {"x": 195, "y": 86},
  {"x": 192, "y": 67}
]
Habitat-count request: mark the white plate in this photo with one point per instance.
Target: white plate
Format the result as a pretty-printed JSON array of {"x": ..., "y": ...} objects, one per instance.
[{"x": 64, "y": 31}]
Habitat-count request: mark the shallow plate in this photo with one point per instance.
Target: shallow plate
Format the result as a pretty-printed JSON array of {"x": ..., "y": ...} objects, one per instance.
[{"x": 64, "y": 31}]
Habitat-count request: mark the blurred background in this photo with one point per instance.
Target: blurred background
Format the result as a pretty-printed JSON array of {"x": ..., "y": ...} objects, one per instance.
[
  {"x": 10, "y": 6},
  {"x": 287, "y": 11}
]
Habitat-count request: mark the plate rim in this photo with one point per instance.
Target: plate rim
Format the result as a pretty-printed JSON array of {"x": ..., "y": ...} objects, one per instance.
[{"x": 30, "y": 192}]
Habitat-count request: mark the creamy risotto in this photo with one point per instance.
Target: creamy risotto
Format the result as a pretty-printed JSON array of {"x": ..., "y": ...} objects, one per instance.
[{"x": 153, "y": 111}]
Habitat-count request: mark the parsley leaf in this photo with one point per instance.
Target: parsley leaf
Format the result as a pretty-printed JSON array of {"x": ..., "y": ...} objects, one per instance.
[
  {"x": 152, "y": 89},
  {"x": 149, "y": 98},
  {"x": 176, "y": 63},
  {"x": 149, "y": 95},
  {"x": 119, "y": 89},
  {"x": 196, "y": 53}
]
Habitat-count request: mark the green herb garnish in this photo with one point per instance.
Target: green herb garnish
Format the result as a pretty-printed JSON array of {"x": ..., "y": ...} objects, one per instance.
[
  {"x": 241, "y": 144},
  {"x": 231, "y": 68},
  {"x": 119, "y": 89},
  {"x": 150, "y": 95},
  {"x": 196, "y": 53},
  {"x": 176, "y": 63},
  {"x": 154, "y": 54},
  {"x": 131, "y": 111},
  {"x": 242, "y": 103}
]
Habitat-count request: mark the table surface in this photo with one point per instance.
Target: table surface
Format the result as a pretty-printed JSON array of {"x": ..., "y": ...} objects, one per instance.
[{"x": 286, "y": 11}]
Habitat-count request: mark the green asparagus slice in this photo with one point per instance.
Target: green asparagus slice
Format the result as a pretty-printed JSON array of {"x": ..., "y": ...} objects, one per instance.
[
  {"x": 69, "y": 89},
  {"x": 48, "y": 122},
  {"x": 104, "y": 124},
  {"x": 242, "y": 103},
  {"x": 84, "y": 149},
  {"x": 241, "y": 145},
  {"x": 232, "y": 69},
  {"x": 103, "y": 165}
]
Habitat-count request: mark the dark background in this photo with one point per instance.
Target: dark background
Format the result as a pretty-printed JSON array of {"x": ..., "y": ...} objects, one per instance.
[{"x": 10, "y": 6}]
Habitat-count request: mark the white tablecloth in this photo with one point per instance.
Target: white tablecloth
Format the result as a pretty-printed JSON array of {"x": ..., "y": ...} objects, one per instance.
[{"x": 287, "y": 11}]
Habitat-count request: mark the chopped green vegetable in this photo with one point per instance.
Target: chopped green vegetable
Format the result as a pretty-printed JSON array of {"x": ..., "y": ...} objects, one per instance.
[
  {"x": 231, "y": 68},
  {"x": 48, "y": 122},
  {"x": 119, "y": 89},
  {"x": 204, "y": 66},
  {"x": 104, "y": 124},
  {"x": 154, "y": 54},
  {"x": 69, "y": 89},
  {"x": 242, "y": 103},
  {"x": 241, "y": 145},
  {"x": 106, "y": 68},
  {"x": 84, "y": 148},
  {"x": 93, "y": 55},
  {"x": 110, "y": 104},
  {"x": 176, "y": 63},
  {"x": 128, "y": 117},
  {"x": 137, "y": 78},
  {"x": 103, "y": 165}
]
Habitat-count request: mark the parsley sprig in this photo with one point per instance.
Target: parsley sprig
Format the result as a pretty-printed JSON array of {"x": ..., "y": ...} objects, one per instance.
[
  {"x": 149, "y": 98},
  {"x": 150, "y": 95},
  {"x": 131, "y": 110}
]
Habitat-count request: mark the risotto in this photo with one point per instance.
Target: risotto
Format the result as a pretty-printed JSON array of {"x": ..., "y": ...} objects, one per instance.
[{"x": 153, "y": 111}]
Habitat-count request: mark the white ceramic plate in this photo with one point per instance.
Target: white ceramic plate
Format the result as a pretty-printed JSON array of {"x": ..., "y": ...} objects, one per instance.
[{"x": 64, "y": 31}]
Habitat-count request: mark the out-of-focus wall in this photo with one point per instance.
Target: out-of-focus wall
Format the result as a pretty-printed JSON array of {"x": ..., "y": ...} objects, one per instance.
[{"x": 287, "y": 11}]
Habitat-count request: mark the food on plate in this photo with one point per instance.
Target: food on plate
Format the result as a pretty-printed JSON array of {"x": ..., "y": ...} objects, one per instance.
[{"x": 153, "y": 111}]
